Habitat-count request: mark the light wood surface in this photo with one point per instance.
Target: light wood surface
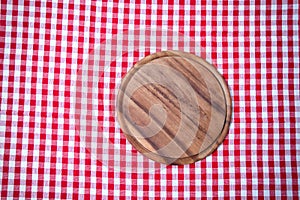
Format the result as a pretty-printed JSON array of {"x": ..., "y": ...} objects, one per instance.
[{"x": 174, "y": 107}]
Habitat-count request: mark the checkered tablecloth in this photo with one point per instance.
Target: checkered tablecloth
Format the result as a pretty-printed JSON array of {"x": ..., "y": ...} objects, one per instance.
[{"x": 43, "y": 49}]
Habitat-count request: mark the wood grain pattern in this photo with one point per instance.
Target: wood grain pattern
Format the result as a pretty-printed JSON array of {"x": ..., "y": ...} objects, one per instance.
[{"x": 174, "y": 107}]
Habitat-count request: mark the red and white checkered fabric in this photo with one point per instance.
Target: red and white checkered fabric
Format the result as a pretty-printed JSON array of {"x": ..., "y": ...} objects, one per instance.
[{"x": 44, "y": 45}]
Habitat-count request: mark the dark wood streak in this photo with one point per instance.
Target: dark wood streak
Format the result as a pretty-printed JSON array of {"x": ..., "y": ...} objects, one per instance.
[
  {"x": 203, "y": 130},
  {"x": 170, "y": 54},
  {"x": 164, "y": 128},
  {"x": 194, "y": 84},
  {"x": 126, "y": 129}
]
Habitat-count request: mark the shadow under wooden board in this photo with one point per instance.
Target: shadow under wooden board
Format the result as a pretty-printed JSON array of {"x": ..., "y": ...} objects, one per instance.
[{"x": 174, "y": 107}]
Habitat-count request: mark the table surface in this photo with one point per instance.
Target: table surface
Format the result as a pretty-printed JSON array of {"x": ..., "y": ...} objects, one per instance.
[{"x": 44, "y": 45}]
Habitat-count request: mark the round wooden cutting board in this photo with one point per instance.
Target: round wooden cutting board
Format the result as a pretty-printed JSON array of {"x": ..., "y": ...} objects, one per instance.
[{"x": 174, "y": 107}]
